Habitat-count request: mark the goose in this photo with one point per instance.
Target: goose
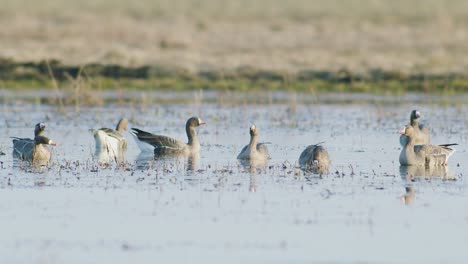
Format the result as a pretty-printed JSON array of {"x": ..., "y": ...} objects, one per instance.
[
  {"x": 254, "y": 151},
  {"x": 421, "y": 132},
  {"x": 427, "y": 155},
  {"x": 33, "y": 150},
  {"x": 110, "y": 143},
  {"x": 163, "y": 145},
  {"x": 315, "y": 158}
]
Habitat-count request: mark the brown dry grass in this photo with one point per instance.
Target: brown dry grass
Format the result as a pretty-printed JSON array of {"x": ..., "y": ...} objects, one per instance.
[{"x": 409, "y": 36}]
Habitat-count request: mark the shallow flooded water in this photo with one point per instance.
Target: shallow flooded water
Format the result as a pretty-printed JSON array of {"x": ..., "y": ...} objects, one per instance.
[{"x": 213, "y": 210}]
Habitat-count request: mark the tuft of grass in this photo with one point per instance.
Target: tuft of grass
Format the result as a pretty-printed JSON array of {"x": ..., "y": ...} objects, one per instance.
[{"x": 74, "y": 85}]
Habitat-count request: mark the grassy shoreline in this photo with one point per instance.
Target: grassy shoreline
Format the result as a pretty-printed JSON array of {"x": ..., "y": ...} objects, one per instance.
[{"x": 33, "y": 75}]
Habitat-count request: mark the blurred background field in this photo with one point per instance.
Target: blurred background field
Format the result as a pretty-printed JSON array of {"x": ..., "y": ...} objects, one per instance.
[{"x": 284, "y": 37}]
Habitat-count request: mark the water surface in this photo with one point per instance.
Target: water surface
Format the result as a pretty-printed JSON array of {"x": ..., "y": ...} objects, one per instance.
[{"x": 216, "y": 211}]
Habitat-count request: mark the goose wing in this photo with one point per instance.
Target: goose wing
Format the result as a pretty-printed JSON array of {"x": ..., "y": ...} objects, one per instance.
[
  {"x": 22, "y": 147},
  {"x": 262, "y": 148},
  {"x": 112, "y": 133},
  {"x": 438, "y": 154},
  {"x": 158, "y": 141},
  {"x": 244, "y": 153}
]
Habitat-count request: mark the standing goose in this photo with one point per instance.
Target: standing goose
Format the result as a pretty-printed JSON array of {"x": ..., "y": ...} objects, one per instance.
[
  {"x": 162, "y": 145},
  {"x": 315, "y": 158},
  {"x": 111, "y": 144},
  {"x": 33, "y": 150},
  {"x": 428, "y": 155},
  {"x": 254, "y": 150},
  {"x": 421, "y": 132}
]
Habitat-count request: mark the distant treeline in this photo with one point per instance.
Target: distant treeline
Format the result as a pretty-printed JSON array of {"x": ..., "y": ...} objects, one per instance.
[{"x": 40, "y": 74}]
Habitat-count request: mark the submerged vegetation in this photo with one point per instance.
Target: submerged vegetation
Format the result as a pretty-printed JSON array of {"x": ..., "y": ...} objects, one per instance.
[{"x": 99, "y": 76}]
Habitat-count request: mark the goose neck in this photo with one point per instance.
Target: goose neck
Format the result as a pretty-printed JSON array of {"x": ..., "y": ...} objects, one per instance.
[
  {"x": 253, "y": 143},
  {"x": 191, "y": 135}
]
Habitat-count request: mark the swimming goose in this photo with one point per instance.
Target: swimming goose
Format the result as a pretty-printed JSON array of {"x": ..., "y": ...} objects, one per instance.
[
  {"x": 162, "y": 145},
  {"x": 111, "y": 144},
  {"x": 421, "y": 132},
  {"x": 428, "y": 155},
  {"x": 315, "y": 158},
  {"x": 254, "y": 150},
  {"x": 33, "y": 150}
]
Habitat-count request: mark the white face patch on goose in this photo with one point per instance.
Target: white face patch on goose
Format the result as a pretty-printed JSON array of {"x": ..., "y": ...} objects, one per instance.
[
  {"x": 418, "y": 114},
  {"x": 199, "y": 121},
  {"x": 42, "y": 125},
  {"x": 253, "y": 127}
]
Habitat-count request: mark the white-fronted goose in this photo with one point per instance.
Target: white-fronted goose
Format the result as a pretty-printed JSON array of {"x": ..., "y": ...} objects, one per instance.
[
  {"x": 33, "y": 150},
  {"x": 111, "y": 144},
  {"x": 315, "y": 158},
  {"x": 421, "y": 132},
  {"x": 254, "y": 150},
  {"x": 162, "y": 145},
  {"x": 427, "y": 155}
]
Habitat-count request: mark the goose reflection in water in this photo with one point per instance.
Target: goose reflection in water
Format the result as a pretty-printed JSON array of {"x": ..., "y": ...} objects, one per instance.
[
  {"x": 411, "y": 174},
  {"x": 253, "y": 167},
  {"x": 146, "y": 161},
  {"x": 425, "y": 172}
]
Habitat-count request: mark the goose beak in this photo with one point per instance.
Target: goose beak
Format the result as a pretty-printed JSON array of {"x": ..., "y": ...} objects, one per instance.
[
  {"x": 401, "y": 132},
  {"x": 202, "y": 123},
  {"x": 52, "y": 143}
]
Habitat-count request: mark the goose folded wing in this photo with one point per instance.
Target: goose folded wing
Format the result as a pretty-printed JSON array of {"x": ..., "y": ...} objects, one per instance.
[
  {"x": 262, "y": 148},
  {"x": 159, "y": 141},
  {"x": 22, "y": 147},
  {"x": 437, "y": 154}
]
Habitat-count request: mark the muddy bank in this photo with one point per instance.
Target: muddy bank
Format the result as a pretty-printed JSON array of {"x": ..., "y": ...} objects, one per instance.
[{"x": 40, "y": 74}]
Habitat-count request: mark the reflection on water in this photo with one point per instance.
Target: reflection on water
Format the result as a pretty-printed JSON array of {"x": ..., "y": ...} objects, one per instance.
[
  {"x": 408, "y": 197},
  {"x": 253, "y": 166},
  {"x": 192, "y": 162},
  {"x": 147, "y": 161},
  {"x": 414, "y": 173},
  {"x": 315, "y": 169},
  {"x": 253, "y": 182},
  {"x": 418, "y": 172}
]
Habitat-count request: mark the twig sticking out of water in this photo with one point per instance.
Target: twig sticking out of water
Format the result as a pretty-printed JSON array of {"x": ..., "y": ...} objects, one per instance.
[{"x": 56, "y": 88}]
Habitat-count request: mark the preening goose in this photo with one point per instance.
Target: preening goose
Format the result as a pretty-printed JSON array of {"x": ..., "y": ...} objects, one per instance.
[
  {"x": 315, "y": 158},
  {"x": 111, "y": 144}
]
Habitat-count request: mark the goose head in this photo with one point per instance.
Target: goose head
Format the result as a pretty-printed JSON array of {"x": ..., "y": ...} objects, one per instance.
[
  {"x": 415, "y": 114},
  {"x": 253, "y": 131},
  {"x": 195, "y": 121},
  {"x": 39, "y": 128}
]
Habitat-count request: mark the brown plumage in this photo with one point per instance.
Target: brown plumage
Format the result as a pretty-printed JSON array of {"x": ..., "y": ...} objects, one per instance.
[
  {"x": 315, "y": 158},
  {"x": 421, "y": 132},
  {"x": 427, "y": 155},
  {"x": 111, "y": 145},
  {"x": 254, "y": 150},
  {"x": 163, "y": 145},
  {"x": 33, "y": 150}
]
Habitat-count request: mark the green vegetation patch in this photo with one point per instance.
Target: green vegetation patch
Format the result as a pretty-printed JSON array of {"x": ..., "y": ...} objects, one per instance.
[{"x": 29, "y": 75}]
